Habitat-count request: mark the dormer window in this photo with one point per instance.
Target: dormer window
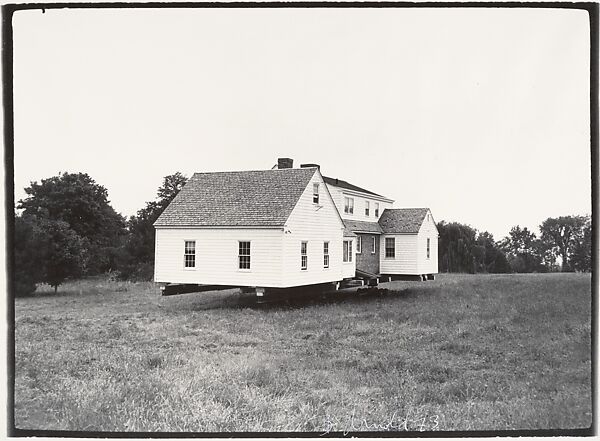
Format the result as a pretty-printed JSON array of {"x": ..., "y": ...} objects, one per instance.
[
  {"x": 316, "y": 193},
  {"x": 367, "y": 208},
  {"x": 349, "y": 205}
]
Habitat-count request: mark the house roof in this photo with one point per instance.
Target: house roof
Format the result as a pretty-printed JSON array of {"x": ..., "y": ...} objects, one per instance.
[
  {"x": 343, "y": 184},
  {"x": 348, "y": 233},
  {"x": 362, "y": 226},
  {"x": 243, "y": 198},
  {"x": 402, "y": 220}
]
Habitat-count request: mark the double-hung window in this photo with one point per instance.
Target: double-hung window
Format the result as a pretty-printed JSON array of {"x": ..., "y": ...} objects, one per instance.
[
  {"x": 303, "y": 256},
  {"x": 390, "y": 248},
  {"x": 325, "y": 254},
  {"x": 367, "y": 208},
  {"x": 376, "y": 209},
  {"x": 428, "y": 247},
  {"x": 244, "y": 255},
  {"x": 359, "y": 244},
  {"x": 316, "y": 193},
  {"x": 347, "y": 256},
  {"x": 373, "y": 245},
  {"x": 189, "y": 254},
  {"x": 348, "y": 205}
]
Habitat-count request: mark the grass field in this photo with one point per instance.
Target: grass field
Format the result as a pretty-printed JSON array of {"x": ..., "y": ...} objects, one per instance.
[{"x": 461, "y": 353}]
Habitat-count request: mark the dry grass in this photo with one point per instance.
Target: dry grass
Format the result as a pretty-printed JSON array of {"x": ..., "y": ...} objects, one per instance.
[{"x": 461, "y": 353}]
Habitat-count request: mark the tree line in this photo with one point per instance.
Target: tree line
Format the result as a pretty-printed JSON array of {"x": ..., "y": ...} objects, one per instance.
[{"x": 66, "y": 228}]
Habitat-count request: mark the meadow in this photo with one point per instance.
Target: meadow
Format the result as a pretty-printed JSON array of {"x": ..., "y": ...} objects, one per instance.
[{"x": 463, "y": 352}]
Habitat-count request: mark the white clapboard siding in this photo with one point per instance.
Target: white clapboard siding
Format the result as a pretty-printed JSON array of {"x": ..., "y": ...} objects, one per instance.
[
  {"x": 405, "y": 261},
  {"x": 428, "y": 230},
  {"x": 217, "y": 256},
  {"x": 315, "y": 224}
]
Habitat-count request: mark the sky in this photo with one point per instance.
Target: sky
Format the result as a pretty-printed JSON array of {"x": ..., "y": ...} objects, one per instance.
[{"x": 481, "y": 115}]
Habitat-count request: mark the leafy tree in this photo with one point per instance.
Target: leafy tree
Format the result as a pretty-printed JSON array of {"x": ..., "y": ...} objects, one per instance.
[
  {"x": 29, "y": 262},
  {"x": 455, "y": 249},
  {"x": 63, "y": 251},
  {"x": 564, "y": 233},
  {"x": 581, "y": 259},
  {"x": 77, "y": 200},
  {"x": 489, "y": 257},
  {"x": 523, "y": 250},
  {"x": 137, "y": 260},
  {"x": 45, "y": 251}
]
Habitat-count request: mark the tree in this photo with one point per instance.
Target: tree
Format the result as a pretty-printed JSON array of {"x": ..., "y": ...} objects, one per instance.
[
  {"x": 45, "y": 251},
  {"x": 522, "y": 248},
  {"x": 455, "y": 248},
  {"x": 581, "y": 259},
  {"x": 77, "y": 200},
  {"x": 29, "y": 263},
  {"x": 63, "y": 252},
  {"x": 564, "y": 232},
  {"x": 493, "y": 259},
  {"x": 137, "y": 260}
]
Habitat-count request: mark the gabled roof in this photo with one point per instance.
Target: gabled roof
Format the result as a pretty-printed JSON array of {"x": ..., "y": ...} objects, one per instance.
[
  {"x": 244, "y": 198},
  {"x": 348, "y": 186},
  {"x": 402, "y": 220},
  {"x": 362, "y": 226}
]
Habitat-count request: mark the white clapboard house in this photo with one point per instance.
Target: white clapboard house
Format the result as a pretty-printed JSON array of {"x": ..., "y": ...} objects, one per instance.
[{"x": 288, "y": 227}]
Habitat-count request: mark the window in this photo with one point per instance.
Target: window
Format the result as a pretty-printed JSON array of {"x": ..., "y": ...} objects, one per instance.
[
  {"x": 366, "y": 208},
  {"x": 390, "y": 248},
  {"x": 349, "y": 205},
  {"x": 359, "y": 244},
  {"x": 325, "y": 254},
  {"x": 373, "y": 245},
  {"x": 428, "y": 247},
  {"x": 303, "y": 256},
  {"x": 189, "y": 254},
  {"x": 347, "y": 251},
  {"x": 244, "y": 255},
  {"x": 316, "y": 193},
  {"x": 376, "y": 209}
]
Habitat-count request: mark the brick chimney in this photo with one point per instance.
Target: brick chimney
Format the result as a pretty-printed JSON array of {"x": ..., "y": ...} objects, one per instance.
[
  {"x": 285, "y": 163},
  {"x": 310, "y": 165}
]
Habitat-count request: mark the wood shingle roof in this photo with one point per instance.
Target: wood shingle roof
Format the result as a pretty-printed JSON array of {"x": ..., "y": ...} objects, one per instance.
[
  {"x": 402, "y": 220},
  {"x": 245, "y": 198},
  {"x": 357, "y": 226},
  {"x": 347, "y": 185}
]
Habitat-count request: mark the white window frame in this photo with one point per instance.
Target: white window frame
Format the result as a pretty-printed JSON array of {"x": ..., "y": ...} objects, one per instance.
[
  {"x": 359, "y": 245},
  {"x": 315, "y": 193},
  {"x": 393, "y": 239},
  {"x": 367, "y": 208},
  {"x": 249, "y": 255},
  {"x": 373, "y": 245},
  {"x": 326, "y": 254},
  {"x": 347, "y": 251},
  {"x": 186, "y": 254},
  {"x": 348, "y": 205},
  {"x": 304, "y": 255},
  {"x": 428, "y": 248},
  {"x": 376, "y": 209}
]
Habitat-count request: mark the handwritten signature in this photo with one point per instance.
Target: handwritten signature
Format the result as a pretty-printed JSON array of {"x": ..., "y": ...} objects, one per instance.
[{"x": 408, "y": 421}]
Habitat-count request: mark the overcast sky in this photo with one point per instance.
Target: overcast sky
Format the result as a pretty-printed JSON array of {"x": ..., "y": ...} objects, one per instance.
[{"x": 480, "y": 114}]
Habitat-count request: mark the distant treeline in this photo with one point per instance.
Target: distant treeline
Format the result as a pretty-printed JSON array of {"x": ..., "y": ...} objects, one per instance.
[{"x": 66, "y": 228}]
